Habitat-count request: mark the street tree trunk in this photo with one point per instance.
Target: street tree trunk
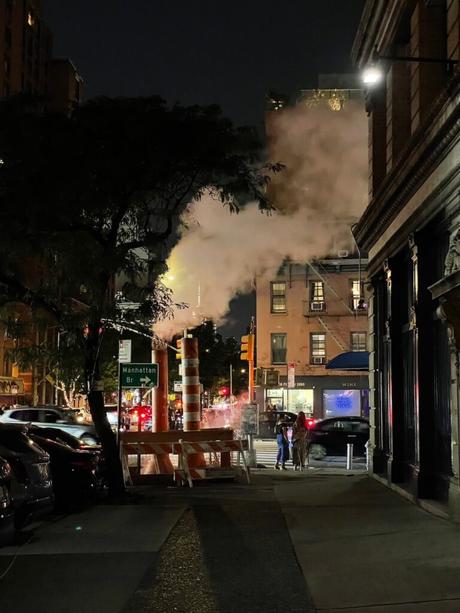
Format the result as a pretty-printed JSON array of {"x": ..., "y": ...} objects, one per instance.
[{"x": 96, "y": 404}]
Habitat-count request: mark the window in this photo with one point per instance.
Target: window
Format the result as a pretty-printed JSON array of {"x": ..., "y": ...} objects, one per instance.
[
  {"x": 279, "y": 347},
  {"x": 340, "y": 403},
  {"x": 25, "y": 415},
  {"x": 278, "y": 297},
  {"x": 317, "y": 296},
  {"x": 317, "y": 348},
  {"x": 355, "y": 293},
  {"x": 50, "y": 417},
  {"x": 358, "y": 341}
]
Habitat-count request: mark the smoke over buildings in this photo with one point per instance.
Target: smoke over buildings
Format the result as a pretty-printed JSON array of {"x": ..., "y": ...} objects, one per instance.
[{"x": 321, "y": 192}]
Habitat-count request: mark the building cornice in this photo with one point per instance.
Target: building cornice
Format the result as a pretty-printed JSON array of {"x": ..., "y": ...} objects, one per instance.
[{"x": 421, "y": 155}]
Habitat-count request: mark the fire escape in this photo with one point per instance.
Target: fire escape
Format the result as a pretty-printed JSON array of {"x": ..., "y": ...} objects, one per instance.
[{"x": 321, "y": 273}]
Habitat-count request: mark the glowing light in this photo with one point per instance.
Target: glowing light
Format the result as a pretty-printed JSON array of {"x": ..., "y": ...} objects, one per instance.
[
  {"x": 372, "y": 75},
  {"x": 30, "y": 19}
]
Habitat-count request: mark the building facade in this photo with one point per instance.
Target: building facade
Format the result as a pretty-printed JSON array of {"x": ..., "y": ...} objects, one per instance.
[
  {"x": 411, "y": 230},
  {"x": 306, "y": 316},
  {"x": 28, "y": 67}
]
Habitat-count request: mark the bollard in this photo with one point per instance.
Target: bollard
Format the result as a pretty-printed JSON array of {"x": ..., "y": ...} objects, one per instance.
[
  {"x": 349, "y": 456},
  {"x": 251, "y": 454},
  {"x": 368, "y": 455}
]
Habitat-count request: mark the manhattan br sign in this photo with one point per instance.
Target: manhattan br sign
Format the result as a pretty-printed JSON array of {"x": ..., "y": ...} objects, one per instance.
[{"x": 138, "y": 375}]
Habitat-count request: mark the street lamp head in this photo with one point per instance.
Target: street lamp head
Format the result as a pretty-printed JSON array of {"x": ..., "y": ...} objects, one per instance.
[{"x": 372, "y": 75}]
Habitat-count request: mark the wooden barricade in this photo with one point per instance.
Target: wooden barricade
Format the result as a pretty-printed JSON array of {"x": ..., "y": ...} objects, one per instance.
[
  {"x": 185, "y": 449},
  {"x": 158, "y": 443}
]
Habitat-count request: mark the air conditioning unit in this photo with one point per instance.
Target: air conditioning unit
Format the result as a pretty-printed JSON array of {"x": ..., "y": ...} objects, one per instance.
[
  {"x": 317, "y": 360},
  {"x": 343, "y": 253},
  {"x": 317, "y": 306}
]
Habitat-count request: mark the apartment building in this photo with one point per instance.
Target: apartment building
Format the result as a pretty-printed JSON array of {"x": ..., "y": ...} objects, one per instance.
[
  {"x": 27, "y": 66},
  {"x": 26, "y": 58},
  {"x": 411, "y": 230},
  {"x": 306, "y": 316}
]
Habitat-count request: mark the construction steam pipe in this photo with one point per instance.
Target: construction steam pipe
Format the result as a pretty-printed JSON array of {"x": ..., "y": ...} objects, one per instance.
[
  {"x": 190, "y": 384},
  {"x": 160, "y": 421},
  {"x": 191, "y": 401}
]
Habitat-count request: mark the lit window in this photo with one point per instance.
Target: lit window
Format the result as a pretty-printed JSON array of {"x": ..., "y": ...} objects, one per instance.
[
  {"x": 30, "y": 19},
  {"x": 355, "y": 287},
  {"x": 317, "y": 348},
  {"x": 317, "y": 296},
  {"x": 279, "y": 348},
  {"x": 278, "y": 297},
  {"x": 358, "y": 341}
]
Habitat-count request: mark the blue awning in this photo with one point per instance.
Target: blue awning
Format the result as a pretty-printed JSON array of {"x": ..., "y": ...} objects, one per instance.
[{"x": 350, "y": 360}]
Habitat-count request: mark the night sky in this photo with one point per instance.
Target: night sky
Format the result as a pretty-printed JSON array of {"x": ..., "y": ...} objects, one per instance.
[{"x": 205, "y": 51}]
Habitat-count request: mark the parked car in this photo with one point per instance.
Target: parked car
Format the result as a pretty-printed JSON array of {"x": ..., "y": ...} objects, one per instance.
[
  {"x": 7, "y": 528},
  {"x": 74, "y": 471},
  {"x": 55, "y": 434},
  {"x": 331, "y": 436},
  {"x": 31, "y": 483},
  {"x": 52, "y": 417},
  {"x": 268, "y": 419}
]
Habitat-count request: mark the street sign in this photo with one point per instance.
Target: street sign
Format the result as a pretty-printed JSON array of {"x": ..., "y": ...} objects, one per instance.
[
  {"x": 124, "y": 351},
  {"x": 138, "y": 375},
  {"x": 272, "y": 378},
  {"x": 177, "y": 386}
]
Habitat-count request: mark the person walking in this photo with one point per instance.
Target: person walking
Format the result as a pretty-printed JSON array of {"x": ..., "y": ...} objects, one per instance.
[
  {"x": 299, "y": 441},
  {"x": 283, "y": 444}
]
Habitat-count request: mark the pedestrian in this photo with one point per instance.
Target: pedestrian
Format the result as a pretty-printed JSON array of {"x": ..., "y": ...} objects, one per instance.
[
  {"x": 299, "y": 441},
  {"x": 283, "y": 444}
]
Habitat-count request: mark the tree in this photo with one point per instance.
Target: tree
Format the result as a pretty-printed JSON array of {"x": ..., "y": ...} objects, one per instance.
[{"x": 93, "y": 202}]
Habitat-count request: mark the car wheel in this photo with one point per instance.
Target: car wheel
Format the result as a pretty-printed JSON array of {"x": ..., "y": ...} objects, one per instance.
[
  {"x": 88, "y": 439},
  {"x": 317, "y": 452}
]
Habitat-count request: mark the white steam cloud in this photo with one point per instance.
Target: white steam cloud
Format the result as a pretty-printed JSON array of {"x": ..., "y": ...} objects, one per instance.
[{"x": 320, "y": 193}]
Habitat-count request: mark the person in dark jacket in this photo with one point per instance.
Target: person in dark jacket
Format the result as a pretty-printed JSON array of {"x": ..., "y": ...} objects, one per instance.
[{"x": 283, "y": 444}]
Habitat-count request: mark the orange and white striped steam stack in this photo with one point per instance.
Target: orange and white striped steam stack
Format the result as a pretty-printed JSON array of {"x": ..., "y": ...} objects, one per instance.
[{"x": 190, "y": 384}]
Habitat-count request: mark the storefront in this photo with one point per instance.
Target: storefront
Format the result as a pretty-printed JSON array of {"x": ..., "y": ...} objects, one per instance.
[
  {"x": 319, "y": 397},
  {"x": 11, "y": 391}
]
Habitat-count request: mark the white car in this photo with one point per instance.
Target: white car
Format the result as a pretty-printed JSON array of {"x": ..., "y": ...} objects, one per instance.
[{"x": 52, "y": 417}]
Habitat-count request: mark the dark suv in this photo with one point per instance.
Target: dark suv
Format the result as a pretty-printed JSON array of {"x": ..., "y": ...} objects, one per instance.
[{"x": 331, "y": 436}]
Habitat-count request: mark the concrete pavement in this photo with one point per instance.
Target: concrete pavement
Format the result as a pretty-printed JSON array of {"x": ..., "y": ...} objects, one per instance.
[
  {"x": 290, "y": 542},
  {"x": 89, "y": 561},
  {"x": 363, "y": 548}
]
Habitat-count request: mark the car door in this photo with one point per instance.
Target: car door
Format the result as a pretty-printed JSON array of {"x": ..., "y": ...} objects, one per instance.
[{"x": 338, "y": 436}]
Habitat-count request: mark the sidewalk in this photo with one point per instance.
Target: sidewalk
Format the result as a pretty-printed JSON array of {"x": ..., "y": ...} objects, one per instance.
[
  {"x": 363, "y": 548},
  {"x": 289, "y": 542}
]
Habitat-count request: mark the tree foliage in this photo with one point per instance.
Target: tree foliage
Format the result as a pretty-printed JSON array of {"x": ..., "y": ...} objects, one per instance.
[{"x": 92, "y": 204}]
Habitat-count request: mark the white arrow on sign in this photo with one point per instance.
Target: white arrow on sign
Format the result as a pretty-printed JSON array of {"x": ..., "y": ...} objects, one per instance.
[{"x": 145, "y": 380}]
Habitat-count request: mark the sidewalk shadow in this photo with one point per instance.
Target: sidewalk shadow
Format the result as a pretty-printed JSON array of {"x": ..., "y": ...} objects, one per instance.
[{"x": 250, "y": 558}]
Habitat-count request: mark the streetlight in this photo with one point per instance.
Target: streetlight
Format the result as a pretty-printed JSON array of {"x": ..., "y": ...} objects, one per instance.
[{"x": 373, "y": 73}]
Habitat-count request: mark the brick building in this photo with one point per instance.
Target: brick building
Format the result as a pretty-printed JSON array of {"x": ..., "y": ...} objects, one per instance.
[
  {"x": 26, "y": 58},
  {"x": 27, "y": 66},
  {"x": 411, "y": 231},
  {"x": 306, "y": 316}
]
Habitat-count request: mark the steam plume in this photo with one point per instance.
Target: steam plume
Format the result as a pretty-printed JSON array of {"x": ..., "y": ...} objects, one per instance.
[{"x": 320, "y": 193}]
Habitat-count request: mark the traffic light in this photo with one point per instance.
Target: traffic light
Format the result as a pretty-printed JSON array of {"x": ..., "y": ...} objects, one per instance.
[
  {"x": 224, "y": 391},
  {"x": 247, "y": 348},
  {"x": 179, "y": 354}
]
